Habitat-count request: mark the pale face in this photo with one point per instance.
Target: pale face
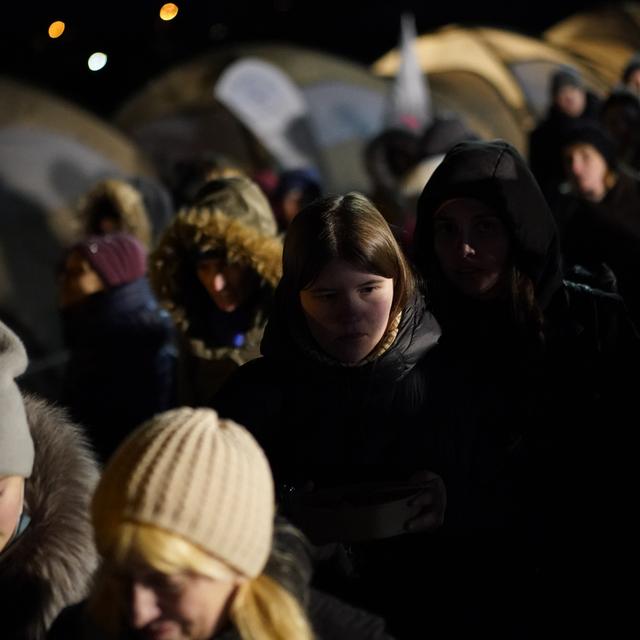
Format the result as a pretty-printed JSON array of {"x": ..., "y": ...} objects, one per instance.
[
  {"x": 184, "y": 606},
  {"x": 587, "y": 170},
  {"x": 571, "y": 100},
  {"x": 347, "y": 310},
  {"x": 472, "y": 247},
  {"x": 78, "y": 280},
  {"x": 11, "y": 503},
  {"x": 228, "y": 285}
]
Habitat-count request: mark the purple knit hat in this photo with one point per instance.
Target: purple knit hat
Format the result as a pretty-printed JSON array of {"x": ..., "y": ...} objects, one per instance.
[{"x": 118, "y": 258}]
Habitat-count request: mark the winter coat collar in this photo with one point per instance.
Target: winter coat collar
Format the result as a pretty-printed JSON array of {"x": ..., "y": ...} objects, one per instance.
[
  {"x": 288, "y": 340},
  {"x": 49, "y": 566}
]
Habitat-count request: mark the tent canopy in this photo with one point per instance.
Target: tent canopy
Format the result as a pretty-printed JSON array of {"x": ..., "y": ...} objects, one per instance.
[
  {"x": 344, "y": 108},
  {"x": 602, "y": 39},
  {"x": 498, "y": 79},
  {"x": 51, "y": 153}
]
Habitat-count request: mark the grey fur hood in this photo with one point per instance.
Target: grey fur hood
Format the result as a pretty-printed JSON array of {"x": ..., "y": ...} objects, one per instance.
[{"x": 49, "y": 566}]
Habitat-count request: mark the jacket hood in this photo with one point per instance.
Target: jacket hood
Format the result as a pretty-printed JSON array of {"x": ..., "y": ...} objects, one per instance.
[
  {"x": 50, "y": 564},
  {"x": 495, "y": 173},
  {"x": 122, "y": 198},
  {"x": 287, "y": 338},
  {"x": 231, "y": 215}
]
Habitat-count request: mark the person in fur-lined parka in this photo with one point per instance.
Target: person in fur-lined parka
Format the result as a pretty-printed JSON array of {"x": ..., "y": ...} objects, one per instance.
[
  {"x": 47, "y": 475},
  {"x": 215, "y": 269}
]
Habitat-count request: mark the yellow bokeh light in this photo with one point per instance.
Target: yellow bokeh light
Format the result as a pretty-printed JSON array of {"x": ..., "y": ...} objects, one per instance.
[
  {"x": 168, "y": 11},
  {"x": 56, "y": 29}
]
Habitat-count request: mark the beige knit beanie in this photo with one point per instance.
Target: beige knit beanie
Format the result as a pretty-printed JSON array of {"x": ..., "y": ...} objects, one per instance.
[{"x": 192, "y": 474}]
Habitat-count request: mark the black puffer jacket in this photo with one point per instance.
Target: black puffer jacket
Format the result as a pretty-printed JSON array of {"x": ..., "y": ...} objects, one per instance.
[
  {"x": 343, "y": 441},
  {"x": 331, "y": 424},
  {"x": 526, "y": 413}
]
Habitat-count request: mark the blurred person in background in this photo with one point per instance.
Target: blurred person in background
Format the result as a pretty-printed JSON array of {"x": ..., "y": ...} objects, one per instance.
[
  {"x": 215, "y": 270},
  {"x": 122, "y": 356}
]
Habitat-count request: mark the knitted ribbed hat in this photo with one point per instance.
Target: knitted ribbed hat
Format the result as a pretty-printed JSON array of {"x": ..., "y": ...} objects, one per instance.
[
  {"x": 16, "y": 445},
  {"x": 565, "y": 76},
  {"x": 118, "y": 258},
  {"x": 189, "y": 473}
]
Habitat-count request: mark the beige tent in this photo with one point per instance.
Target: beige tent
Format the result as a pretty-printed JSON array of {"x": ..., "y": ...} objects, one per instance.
[
  {"x": 51, "y": 152},
  {"x": 602, "y": 39},
  {"x": 176, "y": 114},
  {"x": 495, "y": 79}
]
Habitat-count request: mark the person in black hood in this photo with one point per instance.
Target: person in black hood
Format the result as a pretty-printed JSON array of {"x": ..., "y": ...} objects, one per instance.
[
  {"x": 337, "y": 400},
  {"x": 531, "y": 369}
]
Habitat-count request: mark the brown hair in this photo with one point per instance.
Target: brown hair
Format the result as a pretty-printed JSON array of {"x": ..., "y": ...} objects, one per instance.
[{"x": 350, "y": 228}]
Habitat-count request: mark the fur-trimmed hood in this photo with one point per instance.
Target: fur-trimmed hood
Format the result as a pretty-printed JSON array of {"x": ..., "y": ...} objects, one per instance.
[
  {"x": 230, "y": 214},
  {"x": 121, "y": 197},
  {"x": 50, "y": 564}
]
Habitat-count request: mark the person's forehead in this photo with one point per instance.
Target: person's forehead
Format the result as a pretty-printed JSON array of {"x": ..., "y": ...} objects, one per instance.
[
  {"x": 464, "y": 206},
  {"x": 580, "y": 147},
  {"x": 569, "y": 88}
]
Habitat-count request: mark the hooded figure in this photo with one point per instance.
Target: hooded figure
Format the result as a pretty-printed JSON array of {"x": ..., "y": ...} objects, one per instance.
[
  {"x": 47, "y": 475},
  {"x": 540, "y": 364},
  {"x": 215, "y": 270}
]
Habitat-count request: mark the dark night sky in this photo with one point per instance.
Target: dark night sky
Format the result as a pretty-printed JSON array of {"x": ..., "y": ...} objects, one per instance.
[{"x": 140, "y": 45}]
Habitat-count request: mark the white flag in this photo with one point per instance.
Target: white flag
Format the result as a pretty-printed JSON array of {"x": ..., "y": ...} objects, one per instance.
[{"x": 410, "y": 98}]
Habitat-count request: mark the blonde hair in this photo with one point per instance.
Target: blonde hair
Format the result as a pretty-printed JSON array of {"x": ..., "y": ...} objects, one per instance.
[{"x": 261, "y": 610}]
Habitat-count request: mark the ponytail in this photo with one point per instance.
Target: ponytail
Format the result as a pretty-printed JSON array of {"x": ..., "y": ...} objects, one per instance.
[{"x": 264, "y": 610}]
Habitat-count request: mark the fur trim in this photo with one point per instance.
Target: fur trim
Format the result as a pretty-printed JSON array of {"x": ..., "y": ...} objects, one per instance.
[
  {"x": 50, "y": 565},
  {"x": 127, "y": 200},
  {"x": 201, "y": 229}
]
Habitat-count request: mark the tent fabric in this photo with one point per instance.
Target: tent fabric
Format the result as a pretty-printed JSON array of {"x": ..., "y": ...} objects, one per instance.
[
  {"x": 188, "y": 89},
  {"x": 29, "y": 106},
  {"x": 513, "y": 70},
  {"x": 51, "y": 152},
  {"x": 603, "y": 38}
]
